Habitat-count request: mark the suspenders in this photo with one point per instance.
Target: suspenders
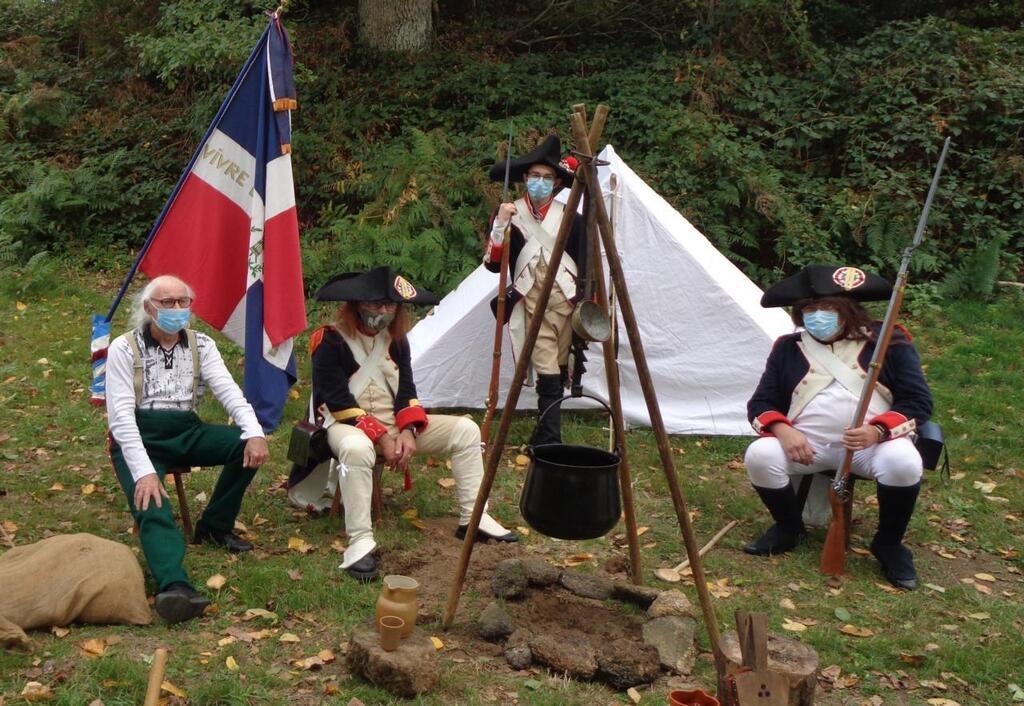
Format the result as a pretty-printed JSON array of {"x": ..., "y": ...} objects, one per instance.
[{"x": 190, "y": 336}]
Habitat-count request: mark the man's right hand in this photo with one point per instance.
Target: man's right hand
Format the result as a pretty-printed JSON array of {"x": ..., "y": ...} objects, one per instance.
[
  {"x": 505, "y": 212},
  {"x": 146, "y": 488},
  {"x": 794, "y": 443},
  {"x": 387, "y": 448}
]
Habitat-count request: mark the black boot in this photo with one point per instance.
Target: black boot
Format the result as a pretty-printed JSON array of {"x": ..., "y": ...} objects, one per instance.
[
  {"x": 549, "y": 429},
  {"x": 895, "y": 507},
  {"x": 788, "y": 529}
]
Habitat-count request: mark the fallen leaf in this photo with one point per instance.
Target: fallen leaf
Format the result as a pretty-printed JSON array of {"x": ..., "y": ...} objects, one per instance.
[
  {"x": 985, "y": 577},
  {"x": 984, "y": 486},
  {"x": 978, "y": 616},
  {"x": 295, "y": 574},
  {"x": 20, "y": 306},
  {"x": 945, "y": 555},
  {"x": 935, "y": 587},
  {"x": 787, "y": 604},
  {"x": 216, "y": 582},
  {"x": 792, "y": 625},
  {"x": 231, "y": 664},
  {"x": 942, "y": 702},
  {"x": 842, "y": 614},
  {"x": 446, "y": 482},
  {"x": 437, "y": 642},
  {"x": 200, "y": 498},
  {"x": 259, "y": 613},
  {"x": 94, "y": 647},
  {"x": 1016, "y": 693},
  {"x": 982, "y": 588},
  {"x": 310, "y": 663},
  {"x": 173, "y": 690},
  {"x": 57, "y": 486},
  {"x": 666, "y": 574},
  {"x": 523, "y": 531},
  {"x": 59, "y": 631},
  {"x": 410, "y": 514},
  {"x": 641, "y": 530},
  {"x": 289, "y": 637},
  {"x": 300, "y": 545},
  {"x": 326, "y": 655},
  {"x": 856, "y": 631},
  {"x": 261, "y": 634},
  {"x": 34, "y": 691},
  {"x": 915, "y": 660},
  {"x": 88, "y": 489},
  {"x": 522, "y": 460},
  {"x": 338, "y": 546},
  {"x": 860, "y": 551},
  {"x": 577, "y": 559},
  {"x": 633, "y": 695},
  {"x": 225, "y": 641}
]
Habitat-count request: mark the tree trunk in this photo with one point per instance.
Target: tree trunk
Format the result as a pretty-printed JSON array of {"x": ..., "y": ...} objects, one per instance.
[{"x": 396, "y": 25}]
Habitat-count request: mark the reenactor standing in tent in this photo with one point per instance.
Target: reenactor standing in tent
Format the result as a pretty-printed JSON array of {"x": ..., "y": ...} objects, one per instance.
[{"x": 529, "y": 226}]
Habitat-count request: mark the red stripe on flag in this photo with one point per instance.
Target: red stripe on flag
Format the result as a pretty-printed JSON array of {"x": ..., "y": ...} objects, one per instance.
[
  {"x": 204, "y": 239},
  {"x": 284, "y": 304}
]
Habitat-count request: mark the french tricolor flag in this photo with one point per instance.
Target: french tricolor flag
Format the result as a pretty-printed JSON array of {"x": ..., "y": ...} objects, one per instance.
[{"x": 230, "y": 227}]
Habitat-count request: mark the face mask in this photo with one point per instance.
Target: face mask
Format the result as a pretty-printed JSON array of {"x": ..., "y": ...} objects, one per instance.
[
  {"x": 822, "y": 324},
  {"x": 172, "y": 320},
  {"x": 539, "y": 189},
  {"x": 376, "y": 321}
]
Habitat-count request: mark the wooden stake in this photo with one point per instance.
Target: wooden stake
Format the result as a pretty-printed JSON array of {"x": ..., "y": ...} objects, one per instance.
[
  {"x": 156, "y": 677},
  {"x": 707, "y": 547}
]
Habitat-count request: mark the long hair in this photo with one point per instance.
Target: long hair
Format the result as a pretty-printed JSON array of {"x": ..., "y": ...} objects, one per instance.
[
  {"x": 855, "y": 321},
  {"x": 346, "y": 319}
]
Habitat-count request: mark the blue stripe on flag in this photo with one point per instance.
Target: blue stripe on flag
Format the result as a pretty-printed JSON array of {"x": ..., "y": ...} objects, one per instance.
[{"x": 266, "y": 385}]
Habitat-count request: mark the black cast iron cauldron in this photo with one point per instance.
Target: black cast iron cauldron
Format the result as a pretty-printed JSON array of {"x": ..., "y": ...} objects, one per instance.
[{"x": 571, "y": 492}]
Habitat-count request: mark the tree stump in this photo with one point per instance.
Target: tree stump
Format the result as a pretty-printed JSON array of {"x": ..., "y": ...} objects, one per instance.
[{"x": 794, "y": 660}]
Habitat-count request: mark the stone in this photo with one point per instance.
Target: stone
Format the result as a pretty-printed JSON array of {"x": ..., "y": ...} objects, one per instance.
[
  {"x": 642, "y": 596},
  {"x": 495, "y": 622},
  {"x": 587, "y": 585},
  {"x": 671, "y": 603},
  {"x": 673, "y": 637},
  {"x": 625, "y": 663},
  {"x": 410, "y": 670},
  {"x": 574, "y": 659},
  {"x": 517, "y": 650},
  {"x": 540, "y": 573},
  {"x": 509, "y": 580}
]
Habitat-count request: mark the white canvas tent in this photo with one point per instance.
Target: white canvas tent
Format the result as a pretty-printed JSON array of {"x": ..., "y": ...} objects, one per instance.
[{"x": 704, "y": 332}]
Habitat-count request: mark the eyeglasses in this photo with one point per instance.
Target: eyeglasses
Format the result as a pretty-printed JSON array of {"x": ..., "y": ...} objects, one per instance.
[
  {"x": 169, "y": 302},
  {"x": 547, "y": 178},
  {"x": 382, "y": 304}
]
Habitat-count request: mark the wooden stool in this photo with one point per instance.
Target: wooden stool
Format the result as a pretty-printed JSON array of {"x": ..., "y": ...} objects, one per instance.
[
  {"x": 186, "y": 516},
  {"x": 376, "y": 496}
]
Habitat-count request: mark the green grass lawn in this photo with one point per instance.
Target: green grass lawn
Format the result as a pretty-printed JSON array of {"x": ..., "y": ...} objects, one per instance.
[{"x": 958, "y": 637}]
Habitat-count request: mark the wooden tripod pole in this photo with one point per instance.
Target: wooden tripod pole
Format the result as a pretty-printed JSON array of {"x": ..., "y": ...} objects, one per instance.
[
  {"x": 611, "y": 367},
  {"x": 646, "y": 384},
  {"x": 156, "y": 677},
  {"x": 522, "y": 362},
  {"x": 499, "y": 329}
]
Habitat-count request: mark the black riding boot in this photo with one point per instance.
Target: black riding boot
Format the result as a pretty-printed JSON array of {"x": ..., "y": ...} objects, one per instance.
[
  {"x": 785, "y": 534},
  {"x": 895, "y": 507},
  {"x": 549, "y": 429}
]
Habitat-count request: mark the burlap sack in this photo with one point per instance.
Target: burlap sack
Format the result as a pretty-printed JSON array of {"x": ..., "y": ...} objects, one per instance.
[{"x": 69, "y": 578}]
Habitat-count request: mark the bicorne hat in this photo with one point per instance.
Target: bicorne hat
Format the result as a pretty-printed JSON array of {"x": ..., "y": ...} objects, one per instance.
[
  {"x": 548, "y": 152},
  {"x": 379, "y": 284},
  {"x": 816, "y": 281}
]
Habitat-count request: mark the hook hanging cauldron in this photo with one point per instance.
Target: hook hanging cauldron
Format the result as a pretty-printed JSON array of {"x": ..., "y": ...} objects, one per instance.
[{"x": 571, "y": 492}]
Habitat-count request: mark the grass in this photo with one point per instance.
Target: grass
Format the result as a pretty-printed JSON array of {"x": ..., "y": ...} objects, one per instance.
[{"x": 958, "y": 643}]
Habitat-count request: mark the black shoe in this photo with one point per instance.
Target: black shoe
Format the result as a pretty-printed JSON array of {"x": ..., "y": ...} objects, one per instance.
[
  {"x": 774, "y": 541},
  {"x": 364, "y": 570},
  {"x": 483, "y": 537},
  {"x": 180, "y": 602},
  {"x": 897, "y": 563},
  {"x": 231, "y": 541}
]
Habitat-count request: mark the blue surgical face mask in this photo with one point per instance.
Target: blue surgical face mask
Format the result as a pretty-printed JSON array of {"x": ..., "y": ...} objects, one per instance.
[
  {"x": 822, "y": 324},
  {"x": 172, "y": 320},
  {"x": 539, "y": 189}
]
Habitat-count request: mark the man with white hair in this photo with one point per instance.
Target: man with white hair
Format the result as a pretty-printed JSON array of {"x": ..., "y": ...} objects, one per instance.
[{"x": 156, "y": 375}]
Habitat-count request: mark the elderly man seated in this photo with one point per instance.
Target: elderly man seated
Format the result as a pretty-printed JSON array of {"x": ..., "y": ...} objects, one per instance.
[{"x": 156, "y": 375}]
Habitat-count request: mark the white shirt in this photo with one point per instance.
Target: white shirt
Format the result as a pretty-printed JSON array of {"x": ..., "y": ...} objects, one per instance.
[{"x": 167, "y": 388}]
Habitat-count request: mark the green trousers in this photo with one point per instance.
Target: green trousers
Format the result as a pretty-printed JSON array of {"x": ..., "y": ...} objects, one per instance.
[{"x": 182, "y": 439}]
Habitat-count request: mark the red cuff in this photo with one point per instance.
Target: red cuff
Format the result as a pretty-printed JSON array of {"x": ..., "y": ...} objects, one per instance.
[
  {"x": 762, "y": 422},
  {"x": 372, "y": 427},
  {"x": 411, "y": 416},
  {"x": 494, "y": 251},
  {"x": 897, "y": 424}
]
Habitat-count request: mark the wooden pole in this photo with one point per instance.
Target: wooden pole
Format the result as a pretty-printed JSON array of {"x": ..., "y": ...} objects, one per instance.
[
  {"x": 522, "y": 362},
  {"x": 646, "y": 384},
  {"x": 611, "y": 369},
  {"x": 499, "y": 328},
  {"x": 707, "y": 547},
  {"x": 156, "y": 677}
]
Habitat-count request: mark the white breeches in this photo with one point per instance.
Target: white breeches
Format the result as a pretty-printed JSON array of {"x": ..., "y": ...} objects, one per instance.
[
  {"x": 895, "y": 462},
  {"x": 445, "y": 435}
]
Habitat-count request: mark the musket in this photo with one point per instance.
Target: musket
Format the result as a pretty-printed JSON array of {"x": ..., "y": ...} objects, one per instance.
[
  {"x": 499, "y": 313},
  {"x": 833, "y": 556}
]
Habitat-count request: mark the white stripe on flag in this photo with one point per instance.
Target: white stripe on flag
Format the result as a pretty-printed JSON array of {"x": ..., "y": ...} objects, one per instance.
[
  {"x": 277, "y": 356},
  {"x": 229, "y": 168},
  {"x": 234, "y": 327},
  {"x": 280, "y": 190}
]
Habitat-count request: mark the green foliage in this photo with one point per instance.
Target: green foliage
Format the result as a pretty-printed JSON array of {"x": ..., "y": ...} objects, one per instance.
[{"x": 975, "y": 277}]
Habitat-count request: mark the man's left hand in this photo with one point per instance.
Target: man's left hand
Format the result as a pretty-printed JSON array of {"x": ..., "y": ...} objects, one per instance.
[
  {"x": 863, "y": 437},
  {"x": 256, "y": 452},
  {"x": 405, "y": 447}
]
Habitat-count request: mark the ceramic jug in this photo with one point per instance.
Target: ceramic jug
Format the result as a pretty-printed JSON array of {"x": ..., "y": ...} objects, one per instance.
[{"x": 398, "y": 597}]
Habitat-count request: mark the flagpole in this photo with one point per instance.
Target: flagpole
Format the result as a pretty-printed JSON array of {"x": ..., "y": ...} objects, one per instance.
[{"x": 188, "y": 169}]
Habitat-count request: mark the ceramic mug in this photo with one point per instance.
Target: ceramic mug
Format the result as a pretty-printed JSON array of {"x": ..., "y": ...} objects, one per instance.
[{"x": 390, "y": 627}]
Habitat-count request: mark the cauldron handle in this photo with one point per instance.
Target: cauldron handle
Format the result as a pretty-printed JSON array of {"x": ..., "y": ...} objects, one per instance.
[{"x": 574, "y": 397}]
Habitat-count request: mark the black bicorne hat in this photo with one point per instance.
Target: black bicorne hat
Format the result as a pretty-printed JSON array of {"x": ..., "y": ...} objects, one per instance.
[
  {"x": 379, "y": 284},
  {"x": 548, "y": 152},
  {"x": 816, "y": 281}
]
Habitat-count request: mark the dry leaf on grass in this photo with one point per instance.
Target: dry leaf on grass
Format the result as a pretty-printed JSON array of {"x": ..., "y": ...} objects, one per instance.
[
  {"x": 289, "y": 637},
  {"x": 216, "y": 582},
  {"x": 231, "y": 664},
  {"x": 943, "y": 702},
  {"x": 984, "y": 486},
  {"x": 982, "y": 588},
  {"x": 34, "y": 691},
  {"x": 57, "y": 486},
  {"x": 915, "y": 660},
  {"x": 667, "y": 574},
  {"x": 577, "y": 559},
  {"x": 309, "y": 663},
  {"x": 446, "y": 482},
  {"x": 985, "y": 577},
  {"x": 93, "y": 647},
  {"x": 437, "y": 642},
  {"x": 522, "y": 460},
  {"x": 295, "y": 574},
  {"x": 793, "y": 626},
  {"x": 173, "y": 690},
  {"x": 935, "y": 587},
  {"x": 225, "y": 641},
  {"x": 88, "y": 489},
  {"x": 253, "y": 613},
  {"x": 60, "y": 631},
  {"x": 849, "y": 629},
  {"x": 326, "y": 655},
  {"x": 298, "y": 544}
]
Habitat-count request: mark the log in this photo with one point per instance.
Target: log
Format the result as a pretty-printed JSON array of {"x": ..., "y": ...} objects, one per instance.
[{"x": 790, "y": 658}]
